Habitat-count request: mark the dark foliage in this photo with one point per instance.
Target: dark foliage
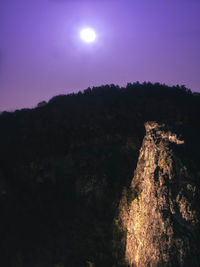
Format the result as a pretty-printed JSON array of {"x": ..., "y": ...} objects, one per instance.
[{"x": 63, "y": 166}]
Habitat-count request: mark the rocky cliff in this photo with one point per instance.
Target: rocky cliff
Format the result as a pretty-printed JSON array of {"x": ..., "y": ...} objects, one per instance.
[{"x": 159, "y": 212}]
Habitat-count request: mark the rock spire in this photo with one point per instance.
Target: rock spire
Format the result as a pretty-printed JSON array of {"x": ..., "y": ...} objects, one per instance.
[{"x": 159, "y": 213}]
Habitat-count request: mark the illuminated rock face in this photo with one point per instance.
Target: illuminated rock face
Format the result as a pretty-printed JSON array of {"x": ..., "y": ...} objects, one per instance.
[{"x": 159, "y": 212}]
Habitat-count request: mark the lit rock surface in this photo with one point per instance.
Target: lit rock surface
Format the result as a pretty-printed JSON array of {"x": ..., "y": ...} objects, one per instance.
[{"x": 159, "y": 213}]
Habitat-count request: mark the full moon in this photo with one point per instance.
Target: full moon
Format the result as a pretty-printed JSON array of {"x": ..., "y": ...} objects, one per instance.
[{"x": 88, "y": 35}]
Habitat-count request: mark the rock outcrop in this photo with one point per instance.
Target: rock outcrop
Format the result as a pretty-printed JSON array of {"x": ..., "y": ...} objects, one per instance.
[{"x": 159, "y": 213}]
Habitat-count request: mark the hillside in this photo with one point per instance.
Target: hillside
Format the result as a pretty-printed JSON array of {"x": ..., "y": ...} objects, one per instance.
[{"x": 64, "y": 165}]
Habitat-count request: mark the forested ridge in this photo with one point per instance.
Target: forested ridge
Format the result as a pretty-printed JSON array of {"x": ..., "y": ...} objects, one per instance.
[{"x": 63, "y": 166}]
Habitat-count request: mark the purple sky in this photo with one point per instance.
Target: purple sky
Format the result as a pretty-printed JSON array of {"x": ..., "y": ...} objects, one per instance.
[{"x": 42, "y": 55}]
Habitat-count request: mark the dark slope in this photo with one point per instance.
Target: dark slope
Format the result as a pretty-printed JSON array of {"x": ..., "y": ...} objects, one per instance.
[{"x": 63, "y": 167}]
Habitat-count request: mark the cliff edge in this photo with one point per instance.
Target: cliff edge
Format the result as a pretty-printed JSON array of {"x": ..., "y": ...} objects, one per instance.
[{"x": 159, "y": 213}]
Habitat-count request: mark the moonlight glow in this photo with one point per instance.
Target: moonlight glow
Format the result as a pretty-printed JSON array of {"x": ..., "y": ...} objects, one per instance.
[{"x": 88, "y": 35}]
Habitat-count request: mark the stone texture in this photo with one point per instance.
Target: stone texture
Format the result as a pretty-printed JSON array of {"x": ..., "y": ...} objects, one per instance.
[{"x": 159, "y": 213}]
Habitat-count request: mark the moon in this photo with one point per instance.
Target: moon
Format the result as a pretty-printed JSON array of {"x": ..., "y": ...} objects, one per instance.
[{"x": 88, "y": 35}]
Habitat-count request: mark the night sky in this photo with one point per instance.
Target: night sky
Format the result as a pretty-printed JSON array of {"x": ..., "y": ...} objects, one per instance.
[{"x": 42, "y": 54}]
